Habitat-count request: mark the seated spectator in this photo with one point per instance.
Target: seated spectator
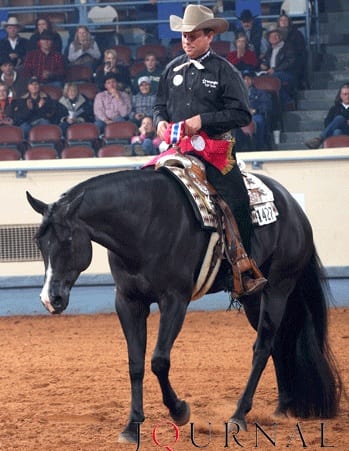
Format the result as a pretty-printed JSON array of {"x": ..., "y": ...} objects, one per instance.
[
  {"x": 74, "y": 107},
  {"x": 16, "y": 83},
  {"x": 111, "y": 66},
  {"x": 147, "y": 142},
  {"x": 280, "y": 61},
  {"x": 13, "y": 46},
  {"x": 337, "y": 119},
  {"x": 111, "y": 105},
  {"x": 252, "y": 28},
  {"x": 152, "y": 70},
  {"x": 34, "y": 108},
  {"x": 243, "y": 58},
  {"x": 291, "y": 35},
  {"x": 41, "y": 24},
  {"x": 84, "y": 49},
  {"x": 5, "y": 105},
  {"x": 261, "y": 106},
  {"x": 45, "y": 63},
  {"x": 143, "y": 101}
]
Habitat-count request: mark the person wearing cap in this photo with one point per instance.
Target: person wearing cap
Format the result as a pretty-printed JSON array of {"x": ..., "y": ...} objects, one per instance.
[
  {"x": 261, "y": 107},
  {"x": 110, "y": 65},
  {"x": 254, "y": 32},
  {"x": 143, "y": 101},
  {"x": 45, "y": 63},
  {"x": 13, "y": 46},
  {"x": 111, "y": 105},
  {"x": 205, "y": 95},
  {"x": 33, "y": 108},
  {"x": 15, "y": 83}
]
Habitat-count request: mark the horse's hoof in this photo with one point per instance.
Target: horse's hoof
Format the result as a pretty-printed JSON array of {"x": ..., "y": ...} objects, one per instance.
[
  {"x": 237, "y": 424},
  {"x": 182, "y": 416},
  {"x": 280, "y": 413},
  {"x": 127, "y": 437}
]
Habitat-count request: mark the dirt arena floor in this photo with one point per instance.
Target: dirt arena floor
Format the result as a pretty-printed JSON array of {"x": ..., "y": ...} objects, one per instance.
[{"x": 64, "y": 386}]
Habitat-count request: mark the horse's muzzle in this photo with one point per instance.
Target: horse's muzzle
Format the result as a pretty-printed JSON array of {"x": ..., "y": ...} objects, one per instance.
[{"x": 59, "y": 304}]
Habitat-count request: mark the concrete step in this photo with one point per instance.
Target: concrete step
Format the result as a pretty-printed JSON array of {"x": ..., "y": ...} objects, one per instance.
[
  {"x": 327, "y": 95},
  {"x": 296, "y": 121},
  {"x": 296, "y": 140},
  {"x": 328, "y": 79},
  {"x": 314, "y": 104},
  {"x": 335, "y": 18}
]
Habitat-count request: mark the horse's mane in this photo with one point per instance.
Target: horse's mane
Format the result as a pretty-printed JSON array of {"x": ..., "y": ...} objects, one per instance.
[{"x": 100, "y": 181}]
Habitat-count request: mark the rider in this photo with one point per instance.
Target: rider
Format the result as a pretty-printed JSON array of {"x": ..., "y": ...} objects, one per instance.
[{"x": 206, "y": 92}]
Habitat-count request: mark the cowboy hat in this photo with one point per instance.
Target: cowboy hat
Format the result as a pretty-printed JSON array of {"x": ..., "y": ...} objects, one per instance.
[
  {"x": 10, "y": 21},
  {"x": 274, "y": 30},
  {"x": 246, "y": 16},
  {"x": 197, "y": 17}
]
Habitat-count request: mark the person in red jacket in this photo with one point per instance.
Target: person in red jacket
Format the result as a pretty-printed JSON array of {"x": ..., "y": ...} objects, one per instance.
[
  {"x": 243, "y": 57},
  {"x": 45, "y": 63}
]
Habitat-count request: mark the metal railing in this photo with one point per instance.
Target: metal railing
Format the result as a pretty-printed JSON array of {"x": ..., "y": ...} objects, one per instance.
[{"x": 81, "y": 8}]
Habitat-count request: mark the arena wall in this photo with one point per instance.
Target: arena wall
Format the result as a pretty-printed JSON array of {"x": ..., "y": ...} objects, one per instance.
[{"x": 318, "y": 179}]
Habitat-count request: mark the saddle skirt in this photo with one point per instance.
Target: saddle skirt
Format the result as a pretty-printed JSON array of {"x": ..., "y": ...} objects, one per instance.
[{"x": 190, "y": 172}]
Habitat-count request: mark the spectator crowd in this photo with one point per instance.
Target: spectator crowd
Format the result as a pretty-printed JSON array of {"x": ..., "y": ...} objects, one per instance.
[{"x": 42, "y": 83}]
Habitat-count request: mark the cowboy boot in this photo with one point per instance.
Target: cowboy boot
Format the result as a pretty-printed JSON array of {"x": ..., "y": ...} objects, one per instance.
[
  {"x": 247, "y": 277},
  {"x": 253, "y": 280}
]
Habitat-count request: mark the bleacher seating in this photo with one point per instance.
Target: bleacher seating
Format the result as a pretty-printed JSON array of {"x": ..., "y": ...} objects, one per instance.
[
  {"x": 112, "y": 150},
  {"x": 80, "y": 151},
  {"x": 336, "y": 141},
  {"x": 8, "y": 154}
]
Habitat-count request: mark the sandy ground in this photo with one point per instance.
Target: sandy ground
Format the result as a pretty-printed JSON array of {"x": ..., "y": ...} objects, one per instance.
[{"x": 64, "y": 386}]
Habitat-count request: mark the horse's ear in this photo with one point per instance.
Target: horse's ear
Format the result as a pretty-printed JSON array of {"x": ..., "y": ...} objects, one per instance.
[
  {"x": 37, "y": 205},
  {"x": 75, "y": 204}
]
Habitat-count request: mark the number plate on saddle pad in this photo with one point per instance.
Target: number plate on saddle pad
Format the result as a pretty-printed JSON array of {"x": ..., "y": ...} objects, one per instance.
[
  {"x": 264, "y": 214},
  {"x": 263, "y": 209}
]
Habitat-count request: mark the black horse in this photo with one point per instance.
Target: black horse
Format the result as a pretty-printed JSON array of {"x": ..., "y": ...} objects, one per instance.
[{"x": 155, "y": 249}]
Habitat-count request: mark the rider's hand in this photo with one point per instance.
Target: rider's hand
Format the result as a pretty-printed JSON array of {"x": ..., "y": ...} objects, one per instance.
[
  {"x": 161, "y": 130},
  {"x": 192, "y": 125}
]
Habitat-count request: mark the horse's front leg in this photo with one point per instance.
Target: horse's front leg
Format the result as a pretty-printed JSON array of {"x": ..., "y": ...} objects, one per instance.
[
  {"x": 271, "y": 313},
  {"x": 133, "y": 318},
  {"x": 171, "y": 321}
]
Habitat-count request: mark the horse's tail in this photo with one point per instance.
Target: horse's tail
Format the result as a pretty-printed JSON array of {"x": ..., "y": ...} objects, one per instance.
[{"x": 311, "y": 374}]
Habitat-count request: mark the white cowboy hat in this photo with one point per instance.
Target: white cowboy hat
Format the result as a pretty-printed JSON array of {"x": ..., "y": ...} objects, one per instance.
[
  {"x": 10, "y": 21},
  {"x": 197, "y": 17}
]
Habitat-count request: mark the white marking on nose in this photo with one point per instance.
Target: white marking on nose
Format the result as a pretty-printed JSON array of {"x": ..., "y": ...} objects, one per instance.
[{"x": 45, "y": 299}]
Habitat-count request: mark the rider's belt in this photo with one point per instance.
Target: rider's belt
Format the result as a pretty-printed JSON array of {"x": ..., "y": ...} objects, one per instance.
[{"x": 227, "y": 136}]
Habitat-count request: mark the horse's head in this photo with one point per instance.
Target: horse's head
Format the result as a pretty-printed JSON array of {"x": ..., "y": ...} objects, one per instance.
[{"x": 66, "y": 248}]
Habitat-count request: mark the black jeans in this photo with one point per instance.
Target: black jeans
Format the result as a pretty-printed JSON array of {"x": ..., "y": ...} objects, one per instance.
[{"x": 233, "y": 190}]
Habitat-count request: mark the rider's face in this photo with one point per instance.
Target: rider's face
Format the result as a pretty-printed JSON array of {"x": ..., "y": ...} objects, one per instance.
[{"x": 196, "y": 43}]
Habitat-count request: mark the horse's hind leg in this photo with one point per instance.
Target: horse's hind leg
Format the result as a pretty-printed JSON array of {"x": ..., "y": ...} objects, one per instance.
[
  {"x": 171, "y": 321},
  {"x": 133, "y": 318},
  {"x": 271, "y": 313}
]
